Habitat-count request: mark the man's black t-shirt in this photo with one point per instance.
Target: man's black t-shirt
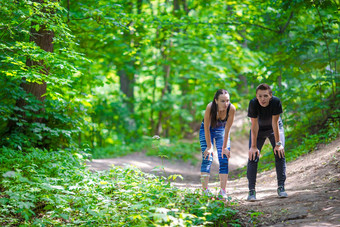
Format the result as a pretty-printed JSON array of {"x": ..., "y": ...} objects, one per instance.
[{"x": 264, "y": 114}]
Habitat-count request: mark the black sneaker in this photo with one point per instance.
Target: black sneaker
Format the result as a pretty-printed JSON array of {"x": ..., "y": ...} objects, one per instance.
[
  {"x": 281, "y": 192},
  {"x": 252, "y": 196}
]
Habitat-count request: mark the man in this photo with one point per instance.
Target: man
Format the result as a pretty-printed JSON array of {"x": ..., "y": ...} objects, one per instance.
[{"x": 264, "y": 112}]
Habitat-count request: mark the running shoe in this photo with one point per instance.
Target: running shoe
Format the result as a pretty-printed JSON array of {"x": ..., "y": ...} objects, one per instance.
[
  {"x": 222, "y": 195},
  {"x": 281, "y": 192},
  {"x": 252, "y": 196},
  {"x": 207, "y": 192}
]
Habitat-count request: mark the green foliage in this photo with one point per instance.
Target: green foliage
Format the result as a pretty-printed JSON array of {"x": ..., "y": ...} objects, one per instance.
[
  {"x": 121, "y": 70},
  {"x": 175, "y": 150},
  {"x": 42, "y": 187},
  {"x": 253, "y": 217},
  {"x": 172, "y": 149},
  {"x": 37, "y": 124},
  {"x": 118, "y": 150},
  {"x": 173, "y": 58},
  {"x": 290, "y": 45}
]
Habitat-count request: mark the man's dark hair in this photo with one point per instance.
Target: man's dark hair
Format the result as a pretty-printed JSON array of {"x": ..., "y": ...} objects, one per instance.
[{"x": 264, "y": 87}]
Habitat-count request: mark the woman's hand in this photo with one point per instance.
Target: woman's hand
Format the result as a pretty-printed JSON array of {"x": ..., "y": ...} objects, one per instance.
[
  {"x": 225, "y": 152},
  {"x": 280, "y": 151},
  {"x": 252, "y": 153},
  {"x": 207, "y": 152}
]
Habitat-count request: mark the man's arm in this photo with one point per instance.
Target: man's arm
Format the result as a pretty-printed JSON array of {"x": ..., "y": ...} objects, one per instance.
[
  {"x": 254, "y": 132},
  {"x": 278, "y": 149}
]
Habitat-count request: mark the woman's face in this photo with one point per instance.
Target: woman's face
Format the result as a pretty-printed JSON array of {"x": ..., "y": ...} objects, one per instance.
[
  {"x": 263, "y": 97},
  {"x": 222, "y": 102}
]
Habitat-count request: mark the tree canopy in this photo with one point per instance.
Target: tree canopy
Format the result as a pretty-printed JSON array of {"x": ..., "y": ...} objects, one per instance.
[
  {"x": 111, "y": 72},
  {"x": 78, "y": 76}
]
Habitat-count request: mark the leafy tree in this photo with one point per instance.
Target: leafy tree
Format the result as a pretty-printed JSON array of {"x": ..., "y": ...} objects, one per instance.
[{"x": 36, "y": 74}]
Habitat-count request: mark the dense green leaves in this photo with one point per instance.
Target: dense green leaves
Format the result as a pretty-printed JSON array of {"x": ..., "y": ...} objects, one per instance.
[
  {"x": 120, "y": 72},
  {"x": 176, "y": 56},
  {"x": 40, "y": 187},
  {"x": 46, "y": 124},
  {"x": 128, "y": 69}
]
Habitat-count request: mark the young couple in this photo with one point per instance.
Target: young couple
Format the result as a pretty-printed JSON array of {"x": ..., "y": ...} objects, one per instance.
[{"x": 264, "y": 112}]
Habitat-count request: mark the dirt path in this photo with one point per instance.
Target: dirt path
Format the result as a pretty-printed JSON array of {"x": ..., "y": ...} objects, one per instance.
[
  {"x": 156, "y": 165},
  {"x": 313, "y": 186},
  {"x": 190, "y": 173}
]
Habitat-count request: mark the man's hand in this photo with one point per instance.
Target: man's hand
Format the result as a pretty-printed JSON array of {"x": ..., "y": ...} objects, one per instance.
[
  {"x": 280, "y": 151},
  {"x": 225, "y": 152},
  {"x": 207, "y": 152},
  {"x": 252, "y": 153}
]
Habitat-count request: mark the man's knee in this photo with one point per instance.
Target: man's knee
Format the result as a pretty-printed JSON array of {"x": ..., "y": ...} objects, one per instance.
[
  {"x": 254, "y": 161},
  {"x": 278, "y": 159}
]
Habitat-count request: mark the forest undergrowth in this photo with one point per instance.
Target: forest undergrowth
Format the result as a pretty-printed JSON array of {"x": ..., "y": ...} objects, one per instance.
[{"x": 42, "y": 188}]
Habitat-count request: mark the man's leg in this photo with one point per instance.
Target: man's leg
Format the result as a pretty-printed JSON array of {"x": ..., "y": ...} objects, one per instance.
[
  {"x": 252, "y": 164},
  {"x": 280, "y": 163}
]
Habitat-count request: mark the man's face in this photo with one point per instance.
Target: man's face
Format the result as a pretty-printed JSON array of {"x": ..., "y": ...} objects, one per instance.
[{"x": 263, "y": 97}]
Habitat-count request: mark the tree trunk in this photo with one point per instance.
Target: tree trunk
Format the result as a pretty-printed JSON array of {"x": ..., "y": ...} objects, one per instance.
[
  {"x": 127, "y": 76},
  {"x": 243, "y": 84},
  {"x": 279, "y": 80},
  {"x": 166, "y": 89},
  {"x": 127, "y": 81},
  {"x": 139, "y": 6},
  {"x": 44, "y": 39}
]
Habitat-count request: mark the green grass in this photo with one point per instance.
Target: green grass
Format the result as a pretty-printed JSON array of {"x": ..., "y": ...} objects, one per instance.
[
  {"x": 54, "y": 188},
  {"x": 171, "y": 149}
]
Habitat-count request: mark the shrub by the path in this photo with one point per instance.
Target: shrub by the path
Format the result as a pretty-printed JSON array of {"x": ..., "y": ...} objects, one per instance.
[{"x": 42, "y": 187}]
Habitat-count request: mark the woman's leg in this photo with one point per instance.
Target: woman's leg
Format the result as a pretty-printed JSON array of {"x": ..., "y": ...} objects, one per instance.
[
  {"x": 206, "y": 162},
  {"x": 224, "y": 169}
]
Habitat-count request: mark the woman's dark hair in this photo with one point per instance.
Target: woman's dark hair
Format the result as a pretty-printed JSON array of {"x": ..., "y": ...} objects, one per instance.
[
  {"x": 264, "y": 87},
  {"x": 213, "y": 110}
]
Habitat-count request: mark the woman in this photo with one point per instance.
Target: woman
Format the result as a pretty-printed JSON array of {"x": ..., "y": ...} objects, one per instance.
[
  {"x": 264, "y": 111},
  {"x": 215, "y": 128}
]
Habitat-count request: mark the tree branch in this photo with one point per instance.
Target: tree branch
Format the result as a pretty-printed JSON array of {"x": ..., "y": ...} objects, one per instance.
[
  {"x": 16, "y": 27},
  {"x": 335, "y": 3},
  {"x": 263, "y": 27},
  {"x": 282, "y": 30},
  {"x": 85, "y": 18},
  {"x": 68, "y": 11}
]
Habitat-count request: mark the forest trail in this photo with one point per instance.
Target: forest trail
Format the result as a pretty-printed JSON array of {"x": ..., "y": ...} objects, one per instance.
[
  {"x": 191, "y": 173},
  {"x": 313, "y": 185}
]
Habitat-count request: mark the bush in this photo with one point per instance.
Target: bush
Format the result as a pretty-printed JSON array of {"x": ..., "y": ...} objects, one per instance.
[{"x": 55, "y": 188}]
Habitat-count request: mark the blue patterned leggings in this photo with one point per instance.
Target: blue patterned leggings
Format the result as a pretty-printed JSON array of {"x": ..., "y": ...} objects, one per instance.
[{"x": 216, "y": 134}]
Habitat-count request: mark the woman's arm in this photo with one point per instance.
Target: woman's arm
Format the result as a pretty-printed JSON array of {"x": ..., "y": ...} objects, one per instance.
[
  {"x": 228, "y": 125},
  {"x": 207, "y": 130}
]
